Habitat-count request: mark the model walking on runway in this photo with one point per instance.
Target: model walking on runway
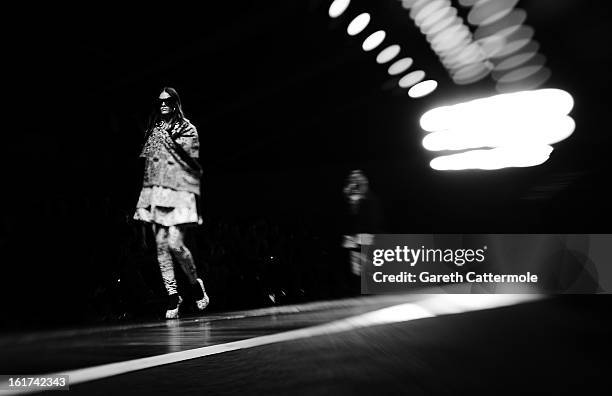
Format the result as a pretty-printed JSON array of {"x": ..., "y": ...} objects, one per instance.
[{"x": 170, "y": 193}]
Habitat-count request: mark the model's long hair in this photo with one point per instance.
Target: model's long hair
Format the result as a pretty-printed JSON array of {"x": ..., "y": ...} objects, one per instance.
[{"x": 155, "y": 115}]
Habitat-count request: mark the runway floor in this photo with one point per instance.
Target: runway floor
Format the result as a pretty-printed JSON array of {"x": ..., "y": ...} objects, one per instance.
[{"x": 399, "y": 344}]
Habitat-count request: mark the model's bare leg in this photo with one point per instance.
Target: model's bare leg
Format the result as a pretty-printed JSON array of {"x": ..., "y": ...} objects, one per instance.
[
  {"x": 176, "y": 237},
  {"x": 164, "y": 258},
  {"x": 176, "y": 244}
]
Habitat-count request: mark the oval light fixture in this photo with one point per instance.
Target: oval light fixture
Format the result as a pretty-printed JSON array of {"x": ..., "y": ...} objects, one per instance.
[
  {"x": 358, "y": 24},
  {"x": 412, "y": 78},
  {"x": 388, "y": 54},
  {"x": 338, "y": 7},
  {"x": 400, "y": 66},
  {"x": 423, "y": 88},
  {"x": 373, "y": 40}
]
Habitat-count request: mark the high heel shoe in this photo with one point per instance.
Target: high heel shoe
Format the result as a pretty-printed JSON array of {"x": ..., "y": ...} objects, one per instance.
[
  {"x": 204, "y": 300},
  {"x": 174, "y": 303}
]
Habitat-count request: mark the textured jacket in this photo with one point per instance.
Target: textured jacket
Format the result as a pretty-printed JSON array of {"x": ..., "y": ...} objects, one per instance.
[{"x": 171, "y": 158}]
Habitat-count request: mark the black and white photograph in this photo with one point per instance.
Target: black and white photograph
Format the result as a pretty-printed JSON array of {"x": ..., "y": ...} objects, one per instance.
[{"x": 306, "y": 197}]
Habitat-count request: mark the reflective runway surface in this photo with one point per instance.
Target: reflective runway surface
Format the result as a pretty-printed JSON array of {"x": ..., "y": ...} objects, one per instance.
[
  {"x": 419, "y": 344},
  {"x": 63, "y": 350}
]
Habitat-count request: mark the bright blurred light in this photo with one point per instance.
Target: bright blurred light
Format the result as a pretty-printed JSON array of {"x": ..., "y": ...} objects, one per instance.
[
  {"x": 398, "y": 313},
  {"x": 486, "y": 12},
  {"x": 423, "y": 88},
  {"x": 528, "y": 52},
  {"x": 438, "y": 21},
  {"x": 400, "y": 66},
  {"x": 411, "y": 79},
  {"x": 449, "y": 38},
  {"x": 357, "y": 25},
  {"x": 497, "y": 158},
  {"x": 532, "y": 81},
  {"x": 408, "y": 3},
  {"x": 467, "y": 55},
  {"x": 512, "y": 132},
  {"x": 492, "y": 45},
  {"x": 519, "y": 74},
  {"x": 338, "y": 7},
  {"x": 515, "y": 41},
  {"x": 471, "y": 73},
  {"x": 499, "y": 36},
  {"x": 532, "y": 104},
  {"x": 519, "y": 127},
  {"x": 508, "y": 44},
  {"x": 431, "y": 305},
  {"x": 373, "y": 40},
  {"x": 511, "y": 22},
  {"x": 388, "y": 54},
  {"x": 420, "y": 14}
]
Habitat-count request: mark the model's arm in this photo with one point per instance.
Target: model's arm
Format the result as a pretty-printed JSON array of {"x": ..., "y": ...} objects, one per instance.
[{"x": 189, "y": 140}]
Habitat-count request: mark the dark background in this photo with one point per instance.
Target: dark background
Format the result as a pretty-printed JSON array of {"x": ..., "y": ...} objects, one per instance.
[{"x": 286, "y": 103}]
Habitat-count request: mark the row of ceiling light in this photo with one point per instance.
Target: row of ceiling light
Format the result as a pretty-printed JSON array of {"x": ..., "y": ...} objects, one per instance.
[
  {"x": 514, "y": 129},
  {"x": 414, "y": 80},
  {"x": 500, "y": 46}
]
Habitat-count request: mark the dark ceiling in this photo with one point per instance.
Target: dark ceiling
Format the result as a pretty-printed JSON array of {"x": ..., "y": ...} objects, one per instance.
[{"x": 286, "y": 103}]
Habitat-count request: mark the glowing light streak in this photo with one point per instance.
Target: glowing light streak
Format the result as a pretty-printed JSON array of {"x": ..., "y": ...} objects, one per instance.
[
  {"x": 388, "y": 54},
  {"x": 507, "y": 130},
  {"x": 373, "y": 40},
  {"x": 338, "y": 7},
  {"x": 411, "y": 78},
  {"x": 400, "y": 66},
  {"x": 502, "y": 35},
  {"x": 358, "y": 24},
  {"x": 423, "y": 88},
  {"x": 449, "y": 38}
]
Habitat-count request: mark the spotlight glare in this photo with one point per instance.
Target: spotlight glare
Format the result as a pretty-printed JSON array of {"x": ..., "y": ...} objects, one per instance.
[
  {"x": 508, "y": 24},
  {"x": 435, "y": 5},
  {"x": 520, "y": 38},
  {"x": 423, "y": 88},
  {"x": 373, "y": 40},
  {"x": 407, "y": 4},
  {"x": 338, "y": 7},
  {"x": 492, "y": 45},
  {"x": 511, "y": 132},
  {"x": 531, "y": 82},
  {"x": 388, "y": 54},
  {"x": 449, "y": 18},
  {"x": 436, "y": 17},
  {"x": 411, "y": 79},
  {"x": 487, "y": 12},
  {"x": 519, "y": 74},
  {"x": 529, "y": 51},
  {"x": 471, "y": 73},
  {"x": 499, "y": 109},
  {"x": 517, "y": 128},
  {"x": 358, "y": 24},
  {"x": 509, "y": 70},
  {"x": 400, "y": 66},
  {"x": 493, "y": 159}
]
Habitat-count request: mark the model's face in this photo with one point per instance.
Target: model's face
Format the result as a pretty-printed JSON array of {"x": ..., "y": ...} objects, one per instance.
[
  {"x": 357, "y": 185},
  {"x": 166, "y": 103}
]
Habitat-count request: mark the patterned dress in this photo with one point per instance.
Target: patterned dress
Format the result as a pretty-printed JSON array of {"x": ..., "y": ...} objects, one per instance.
[
  {"x": 167, "y": 207},
  {"x": 168, "y": 204}
]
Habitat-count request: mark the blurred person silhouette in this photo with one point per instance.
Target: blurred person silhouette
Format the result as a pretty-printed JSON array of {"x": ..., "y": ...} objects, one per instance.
[
  {"x": 169, "y": 199},
  {"x": 363, "y": 219}
]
